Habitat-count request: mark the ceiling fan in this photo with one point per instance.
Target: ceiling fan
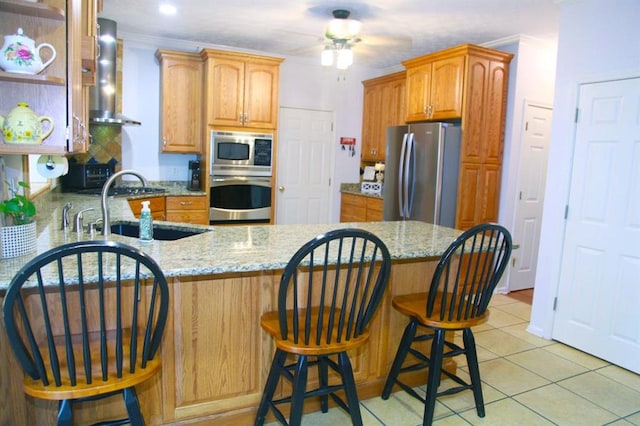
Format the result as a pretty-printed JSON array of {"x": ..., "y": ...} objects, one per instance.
[{"x": 341, "y": 34}]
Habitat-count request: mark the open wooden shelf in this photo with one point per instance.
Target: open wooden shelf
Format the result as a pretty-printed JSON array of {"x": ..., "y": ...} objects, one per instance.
[
  {"x": 32, "y": 78},
  {"x": 39, "y": 10},
  {"x": 20, "y": 149}
]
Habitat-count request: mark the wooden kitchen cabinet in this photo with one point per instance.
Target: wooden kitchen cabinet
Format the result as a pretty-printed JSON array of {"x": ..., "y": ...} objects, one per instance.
[
  {"x": 188, "y": 209},
  {"x": 384, "y": 105},
  {"x": 181, "y": 80},
  {"x": 242, "y": 89},
  {"x": 360, "y": 208},
  {"x": 434, "y": 87},
  {"x": 46, "y": 92},
  {"x": 157, "y": 205},
  {"x": 82, "y": 44},
  {"x": 466, "y": 84}
]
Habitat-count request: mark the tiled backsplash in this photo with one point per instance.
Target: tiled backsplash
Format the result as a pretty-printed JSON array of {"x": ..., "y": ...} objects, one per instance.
[{"x": 105, "y": 147}]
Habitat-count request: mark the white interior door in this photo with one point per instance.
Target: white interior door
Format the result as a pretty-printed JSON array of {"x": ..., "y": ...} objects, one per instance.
[
  {"x": 304, "y": 166},
  {"x": 531, "y": 186},
  {"x": 599, "y": 291}
]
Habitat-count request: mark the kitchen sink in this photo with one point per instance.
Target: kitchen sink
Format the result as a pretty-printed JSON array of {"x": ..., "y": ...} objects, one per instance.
[{"x": 160, "y": 232}]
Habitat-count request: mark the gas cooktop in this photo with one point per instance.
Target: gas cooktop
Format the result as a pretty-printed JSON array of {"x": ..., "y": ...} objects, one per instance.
[{"x": 122, "y": 191}]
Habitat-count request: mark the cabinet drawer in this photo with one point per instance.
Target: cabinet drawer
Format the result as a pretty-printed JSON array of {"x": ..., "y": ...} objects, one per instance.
[
  {"x": 187, "y": 203},
  {"x": 189, "y": 216},
  {"x": 354, "y": 200},
  {"x": 156, "y": 204}
]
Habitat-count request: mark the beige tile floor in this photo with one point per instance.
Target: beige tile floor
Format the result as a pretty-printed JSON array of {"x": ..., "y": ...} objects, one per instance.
[{"x": 526, "y": 381}]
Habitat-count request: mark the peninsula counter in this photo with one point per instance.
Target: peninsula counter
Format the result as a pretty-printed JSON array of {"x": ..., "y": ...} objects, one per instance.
[{"x": 215, "y": 357}]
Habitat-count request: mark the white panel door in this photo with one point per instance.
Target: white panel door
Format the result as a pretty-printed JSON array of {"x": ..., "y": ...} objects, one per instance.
[
  {"x": 531, "y": 184},
  {"x": 598, "y": 306},
  {"x": 304, "y": 166}
]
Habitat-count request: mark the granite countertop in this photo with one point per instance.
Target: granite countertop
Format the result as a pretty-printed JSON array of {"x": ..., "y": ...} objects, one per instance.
[
  {"x": 223, "y": 249},
  {"x": 355, "y": 188}
]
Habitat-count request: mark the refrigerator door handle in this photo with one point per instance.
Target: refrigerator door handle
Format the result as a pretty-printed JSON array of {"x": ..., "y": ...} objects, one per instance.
[
  {"x": 401, "y": 170},
  {"x": 410, "y": 181}
]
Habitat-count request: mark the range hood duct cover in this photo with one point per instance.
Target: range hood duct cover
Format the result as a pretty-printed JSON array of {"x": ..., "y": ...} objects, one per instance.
[{"x": 102, "y": 96}]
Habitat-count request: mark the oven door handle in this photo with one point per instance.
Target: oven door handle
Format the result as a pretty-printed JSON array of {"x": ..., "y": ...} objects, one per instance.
[{"x": 240, "y": 180}]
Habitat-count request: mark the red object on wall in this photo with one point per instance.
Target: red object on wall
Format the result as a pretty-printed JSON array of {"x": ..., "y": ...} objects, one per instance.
[{"x": 347, "y": 141}]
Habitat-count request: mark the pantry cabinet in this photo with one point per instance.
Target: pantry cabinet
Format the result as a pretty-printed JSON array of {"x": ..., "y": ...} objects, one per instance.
[
  {"x": 384, "y": 105},
  {"x": 56, "y": 91},
  {"x": 468, "y": 85},
  {"x": 181, "y": 80},
  {"x": 242, "y": 89}
]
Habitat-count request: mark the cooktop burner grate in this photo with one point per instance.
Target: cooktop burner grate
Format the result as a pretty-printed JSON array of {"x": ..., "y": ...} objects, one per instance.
[{"x": 122, "y": 191}]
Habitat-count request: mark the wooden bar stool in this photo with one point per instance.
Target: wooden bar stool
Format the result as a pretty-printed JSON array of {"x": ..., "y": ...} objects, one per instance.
[
  {"x": 457, "y": 299},
  {"x": 329, "y": 292},
  {"x": 93, "y": 330}
]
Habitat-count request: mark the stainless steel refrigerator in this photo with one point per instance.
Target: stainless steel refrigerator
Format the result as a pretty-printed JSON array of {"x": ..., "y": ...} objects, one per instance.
[{"x": 421, "y": 173}]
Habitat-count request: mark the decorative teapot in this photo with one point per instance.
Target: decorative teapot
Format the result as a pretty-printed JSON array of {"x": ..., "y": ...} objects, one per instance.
[
  {"x": 20, "y": 54},
  {"x": 22, "y": 125}
]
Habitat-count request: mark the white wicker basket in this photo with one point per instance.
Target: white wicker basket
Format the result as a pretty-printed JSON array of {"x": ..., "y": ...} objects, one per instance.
[
  {"x": 17, "y": 240},
  {"x": 371, "y": 188}
]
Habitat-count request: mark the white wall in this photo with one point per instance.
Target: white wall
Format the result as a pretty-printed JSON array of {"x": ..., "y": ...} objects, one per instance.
[
  {"x": 141, "y": 101},
  {"x": 531, "y": 79},
  {"x": 303, "y": 84},
  {"x": 598, "y": 40},
  {"x": 306, "y": 84}
]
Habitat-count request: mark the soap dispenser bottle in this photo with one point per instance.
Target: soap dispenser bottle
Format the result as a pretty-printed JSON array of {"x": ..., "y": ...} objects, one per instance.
[{"x": 146, "y": 223}]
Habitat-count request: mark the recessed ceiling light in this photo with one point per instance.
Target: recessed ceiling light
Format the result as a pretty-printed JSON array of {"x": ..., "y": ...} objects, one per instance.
[{"x": 167, "y": 9}]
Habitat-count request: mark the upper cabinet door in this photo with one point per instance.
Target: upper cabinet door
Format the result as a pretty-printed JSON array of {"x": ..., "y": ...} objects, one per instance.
[
  {"x": 242, "y": 89},
  {"x": 446, "y": 88},
  {"x": 227, "y": 92},
  {"x": 181, "y": 76},
  {"x": 418, "y": 92},
  {"x": 384, "y": 105},
  {"x": 261, "y": 95}
]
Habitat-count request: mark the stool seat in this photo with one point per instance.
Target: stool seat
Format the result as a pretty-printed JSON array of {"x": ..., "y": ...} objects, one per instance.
[
  {"x": 270, "y": 323},
  {"x": 413, "y": 306}
]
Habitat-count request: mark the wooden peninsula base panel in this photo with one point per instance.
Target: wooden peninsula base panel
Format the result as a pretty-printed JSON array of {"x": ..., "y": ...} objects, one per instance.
[{"x": 215, "y": 357}]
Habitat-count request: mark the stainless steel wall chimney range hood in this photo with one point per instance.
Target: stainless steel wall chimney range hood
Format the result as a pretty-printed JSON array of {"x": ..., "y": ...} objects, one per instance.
[{"x": 102, "y": 96}]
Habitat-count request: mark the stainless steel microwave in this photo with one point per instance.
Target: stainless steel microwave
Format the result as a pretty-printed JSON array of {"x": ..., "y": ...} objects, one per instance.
[{"x": 241, "y": 154}]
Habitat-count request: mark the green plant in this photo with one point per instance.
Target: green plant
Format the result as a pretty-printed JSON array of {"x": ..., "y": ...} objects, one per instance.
[{"x": 20, "y": 208}]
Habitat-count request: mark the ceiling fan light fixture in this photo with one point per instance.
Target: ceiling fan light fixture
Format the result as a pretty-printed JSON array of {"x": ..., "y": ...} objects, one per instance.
[
  {"x": 327, "y": 56},
  {"x": 343, "y": 28},
  {"x": 345, "y": 57}
]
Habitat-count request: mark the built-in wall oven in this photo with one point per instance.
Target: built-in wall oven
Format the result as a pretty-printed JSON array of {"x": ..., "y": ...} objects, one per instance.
[
  {"x": 241, "y": 171},
  {"x": 240, "y": 199}
]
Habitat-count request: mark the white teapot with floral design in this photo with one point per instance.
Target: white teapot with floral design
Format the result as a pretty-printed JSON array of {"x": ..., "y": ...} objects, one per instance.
[
  {"x": 21, "y": 55},
  {"x": 22, "y": 125}
]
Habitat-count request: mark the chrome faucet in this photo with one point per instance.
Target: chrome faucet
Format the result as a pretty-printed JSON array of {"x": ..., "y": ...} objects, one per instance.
[
  {"x": 79, "y": 221},
  {"x": 65, "y": 216},
  {"x": 105, "y": 190}
]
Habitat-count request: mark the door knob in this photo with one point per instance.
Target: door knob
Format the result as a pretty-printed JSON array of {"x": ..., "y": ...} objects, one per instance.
[{"x": 281, "y": 188}]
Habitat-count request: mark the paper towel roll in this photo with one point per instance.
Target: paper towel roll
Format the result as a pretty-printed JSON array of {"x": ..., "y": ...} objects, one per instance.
[{"x": 52, "y": 166}]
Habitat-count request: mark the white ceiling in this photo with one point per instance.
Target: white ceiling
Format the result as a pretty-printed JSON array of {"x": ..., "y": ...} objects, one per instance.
[{"x": 392, "y": 30}]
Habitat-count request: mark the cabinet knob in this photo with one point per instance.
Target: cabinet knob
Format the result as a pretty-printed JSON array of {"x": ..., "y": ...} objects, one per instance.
[{"x": 281, "y": 188}]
